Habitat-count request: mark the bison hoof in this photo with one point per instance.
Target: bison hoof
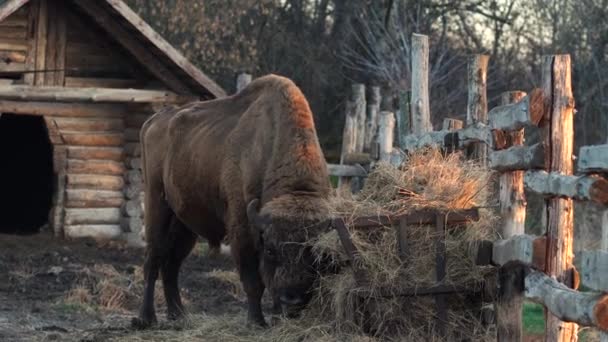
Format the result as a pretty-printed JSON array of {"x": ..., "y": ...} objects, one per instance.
[
  {"x": 257, "y": 322},
  {"x": 141, "y": 324}
]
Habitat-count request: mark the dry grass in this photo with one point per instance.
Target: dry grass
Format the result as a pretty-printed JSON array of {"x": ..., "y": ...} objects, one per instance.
[{"x": 232, "y": 279}]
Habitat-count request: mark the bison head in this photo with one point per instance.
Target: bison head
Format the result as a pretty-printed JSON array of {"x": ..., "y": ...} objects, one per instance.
[{"x": 287, "y": 265}]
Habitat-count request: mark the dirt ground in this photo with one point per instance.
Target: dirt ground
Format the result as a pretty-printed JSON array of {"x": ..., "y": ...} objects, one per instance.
[{"x": 55, "y": 290}]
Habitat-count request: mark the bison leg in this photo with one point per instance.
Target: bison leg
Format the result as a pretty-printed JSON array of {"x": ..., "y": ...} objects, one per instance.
[
  {"x": 157, "y": 230},
  {"x": 247, "y": 262},
  {"x": 181, "y": 243}
]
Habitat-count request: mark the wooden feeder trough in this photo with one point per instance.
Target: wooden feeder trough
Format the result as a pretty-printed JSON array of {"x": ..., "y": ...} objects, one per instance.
[{"x": 442, "y": 221}]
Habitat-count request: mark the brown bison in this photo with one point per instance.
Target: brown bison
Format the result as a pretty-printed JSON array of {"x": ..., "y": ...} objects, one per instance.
[{"x": 248, "y": 167}]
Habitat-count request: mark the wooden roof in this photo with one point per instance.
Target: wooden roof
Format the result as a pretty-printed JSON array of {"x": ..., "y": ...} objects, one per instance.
[{"x": 143, "y": 42}]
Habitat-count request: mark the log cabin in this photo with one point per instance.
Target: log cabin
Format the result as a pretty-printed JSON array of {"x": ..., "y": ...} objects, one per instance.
[{"x": 77, "y": 80}]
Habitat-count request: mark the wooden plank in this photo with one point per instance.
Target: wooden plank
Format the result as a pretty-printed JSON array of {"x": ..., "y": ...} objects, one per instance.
[
  {"x": 13, "y": 32},
  {"x": 386, "y": 129},
  {"x": 346, "y": 170},
  {"x": 31, "y": 42},
  {"x": 58, "y": 210},
  {"x": 60, "y": 44},
  {"x": 477, "y": 101},
  {"x": 11, "y": 68},
  {"x": 15, "y": 21},
  {"x": 61, "y": 109},
  {"x": 515, "y": 116},
  {"x": 593, "y": 188},
  {"x": 95, "y": 181},
  {"x": 522, "y": 248},
  {"x": 10, "y": 7},
  {"x": 83, "y": 198},
  {"x": 95, "y": 95},
  {"x": 90, "y": 82},
  {"x": 593, "y": 267},
  {"x": 17, "y": 45},
  {"x": 560, "y": 223},
  {"x": 421, "y": 113},
  {"x": 89, "y": 124},
  {"x": 97, "y": 231},
  {"x": 518, "y": 158},
  {"x": 93, "y": 139},
  {"x": 102, "y": 153},
  {"x": 96, "y": 167},
  {"x": 593, "y": 159},
  {"x": 76, "y": 216},
  {"x": 41, "y": 42}
]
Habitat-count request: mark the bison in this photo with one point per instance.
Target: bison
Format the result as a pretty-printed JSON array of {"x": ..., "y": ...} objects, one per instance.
[{"x": 247, "y": 167}]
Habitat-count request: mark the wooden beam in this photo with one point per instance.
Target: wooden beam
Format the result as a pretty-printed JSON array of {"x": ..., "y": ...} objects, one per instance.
[
  {"x": 527, "y": 249},
  {"x": 97, "y": 231},
  {"x": 515, "y": 116},
  {"x": 96, "y": 167},
  {"x": 9, "y": 7},
  {"x": 95, "y": 152},
  {"x": 518, "y": 158},
  {"x": 76, "y": 216},
  {"x": 61, "y": 109},
  {"x": 92, "y": 95},
  {"x": 593, "y": 267},
  {"x": 95, "y": 181},
  {"x": 83, "y": 198},
  {"x": 346, "y": 170},
  {"x": 477, "y": 104},
  {"x": 593, "y": 188},
  {"x": 420, "y": 112},
  {"x": 593, "y": 159}
]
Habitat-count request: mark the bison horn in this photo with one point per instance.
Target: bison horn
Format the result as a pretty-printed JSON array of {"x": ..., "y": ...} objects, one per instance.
[{"x": 252, "y": 211}]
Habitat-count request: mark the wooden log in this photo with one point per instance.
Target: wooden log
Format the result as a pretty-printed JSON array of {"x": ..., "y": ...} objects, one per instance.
[
  {"x": 81, "y": 198},
  {"x": 132, "y": 191},
  {"x": 515, "y": 116},
  {"x": 99, "y": 182},
  {"x": 593, "y": 159},
  {"x": 8, "y": 68},
  {"x": 131, "y": 224},
  {"x": 593, "y": 267},
  {"x": 91, "y": 82},
  {"x": 421, "y": 113},
  {"x": 97, "y": 231},
  {"x": 89, "y": 124},
  {"x": 132, "y": 208},
  {"x": 593, "y": 188},
  {"x": 242, "y": 80},
  {"x": 132, "y": 134},
  {"x": 560, "y": 224},
  {"x": 587, "y": 309},
  {"x": 452, "y": 124},
  {"x": 93, "y": 139},
  {"x": 477, "y": 103},
  {"x": 526, "y": 249},
  {"x": 371, "y": 124},
  {"x": 136, "y": 120},
  {"x": 19, "y": 45},
  {"x": 346, "y": 170},
  {"x": 90, "y": 152},
  {"x": 95, "y": 167},
  {"x": 518, "y": 158},
  {"x": 386, "y": 131},
  {"x": 133, "y": 149},
  {"x": 61, "y": 109},
  {"x": 134, "y": 176},
  {"x": 92, "y": 95},
  {"x": 358, "y": 106},
  {"x": 76, "y": 216},
  {"x": 513, "y": 212}
]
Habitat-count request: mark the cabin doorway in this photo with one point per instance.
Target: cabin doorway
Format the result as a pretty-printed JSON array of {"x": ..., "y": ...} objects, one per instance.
[{"x": 26, "y": 174}]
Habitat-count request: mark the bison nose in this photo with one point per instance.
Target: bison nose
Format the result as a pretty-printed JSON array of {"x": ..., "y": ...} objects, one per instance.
[{"x": 289, "y": 298}]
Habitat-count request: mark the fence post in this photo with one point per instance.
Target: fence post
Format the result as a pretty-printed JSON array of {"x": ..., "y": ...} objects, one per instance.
[
  {"x": 421, "y": 114},
  {"x": 242, "y": 80},
  {"x": 386, "y": 129},
  {"x": 403, "y": 117},
  {"x": 349, "y": 140},
  {"x": 477, "y": 104},
  {"x": 513, "y": 211},
  {"x": 558, "y": 137},
  {"x": 358, "y": 106},
  {"x": 371, "y": 124}
]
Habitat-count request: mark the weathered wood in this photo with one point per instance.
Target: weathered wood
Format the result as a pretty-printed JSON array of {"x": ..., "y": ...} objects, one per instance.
[
  {"x": 91, "y": 82},
  {"x": 99, "y": 182},
  {"x": 97, "y": 231},
  {"x": 593, "y": 159},
  {"x": 10, "y": 7},
  {"x": 452, "y": 124},
  {"x": 513, "y": 213},
  {"x": 11, "y": 68},
  {"x": 132, "y": 208},
  {"x": 16, "y": 21},
  {"x": 61, "y": 109},
  {"x": 242, "y": 80},
  {"x": 403, "y": 117},
  {"x": 420, "y": 112},
  {"x": 133, "y": 190},
  {"x": 93, "y": 139},
  {"x": 476, "y": 133},
  {"x": 357, "y": 158},
  {"x": 131, "y": 224},
  {"x": 518, "y": 158},
  {"x": 31, "y": 42},
  {"x": 96, "y": 167},
  {"x": 346, "y": 170},
  {"x": 593, "y": 188},
  {"x": 41, "y": 41},
  {"x": 593, "y": 267},
  {"x": 76, "y": 216},
  {"x": 358, "y": 105},
  {"x": 560, "y": 224},
  {"x": 60, "y": 44},
  {"x": 477, "y": 103},
  {"x": 134, "y": 176},
  {"x": 58, "y": 209},
  {"x": 89, "y": 124},
  {"x": 102, "y": 153},
  {"x": 371, "y": 124},
  {"x": 7, "y": 44},
  {"x": 92, "y": 95},
  {"x": 515, "y": 116},
  {"x": 386, "y": 129},
  {"x": 588, "y": 309},
  {"x": 349, "y": 140},
  {"x": 523, "y": 248},
  {"x": 82, "y": 198}
]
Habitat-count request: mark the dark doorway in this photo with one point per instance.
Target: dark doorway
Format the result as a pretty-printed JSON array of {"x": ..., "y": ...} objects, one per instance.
[{"x": 26, "y": 174}]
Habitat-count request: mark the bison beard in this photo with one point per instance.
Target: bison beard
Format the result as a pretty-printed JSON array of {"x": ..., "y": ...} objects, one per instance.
[{"x": 247, "y": 167}]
